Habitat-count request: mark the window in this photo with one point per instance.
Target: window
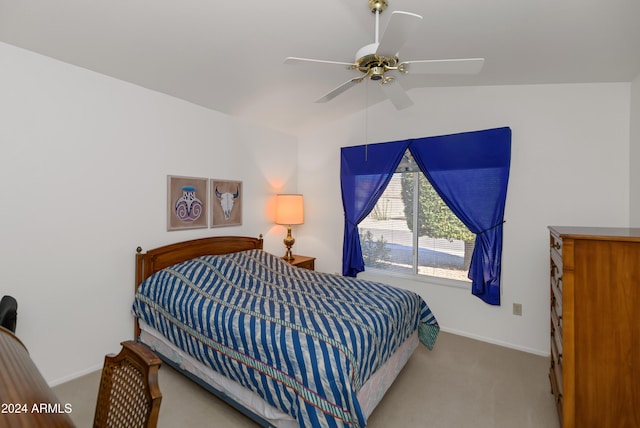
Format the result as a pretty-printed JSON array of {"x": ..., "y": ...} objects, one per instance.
[
  {"x": 412, "y": 231},
  {"x": 471, "y": 169}
]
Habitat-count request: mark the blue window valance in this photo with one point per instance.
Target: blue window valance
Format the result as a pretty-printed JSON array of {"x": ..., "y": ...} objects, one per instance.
[{"x": 470, "y": 172}]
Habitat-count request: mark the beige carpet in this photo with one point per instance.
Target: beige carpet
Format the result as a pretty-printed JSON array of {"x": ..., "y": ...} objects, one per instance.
[{"x": 461, "y": 383}]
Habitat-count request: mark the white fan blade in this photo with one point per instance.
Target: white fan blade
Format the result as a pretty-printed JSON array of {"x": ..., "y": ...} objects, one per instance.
[
  {"x": 396, "y": 94},
  {"x": 401, "y": 25},
  {"x": 307, "y": 61},
  {"x": 340, "y": 89},
  {"x": 444, "y": 66}
]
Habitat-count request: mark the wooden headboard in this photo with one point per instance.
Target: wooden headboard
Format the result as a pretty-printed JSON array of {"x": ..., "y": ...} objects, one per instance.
[{"x": 152, "y": 261}]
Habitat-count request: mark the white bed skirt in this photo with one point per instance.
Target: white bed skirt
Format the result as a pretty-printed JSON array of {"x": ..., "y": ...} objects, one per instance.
[{"x": 369, "y": 395}]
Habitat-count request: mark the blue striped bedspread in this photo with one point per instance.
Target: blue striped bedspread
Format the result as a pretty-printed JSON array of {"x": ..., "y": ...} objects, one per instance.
[{"x": 304, "y": 341}]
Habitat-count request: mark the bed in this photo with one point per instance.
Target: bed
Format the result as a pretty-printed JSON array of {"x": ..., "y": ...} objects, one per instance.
[{"x": 286, "y": 346}]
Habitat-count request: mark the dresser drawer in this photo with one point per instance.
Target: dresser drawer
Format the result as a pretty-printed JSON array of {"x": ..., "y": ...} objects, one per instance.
[
  {"x": 556, "y": 323},
  {"x": 556, "y": 270},
  {"x": 556, "y": 244},
  {"x": 556, "y": 362},
  {"x": 555, "y": 389},
  {"x": 556, "y": 301},
  {"x": 556, "y": 304}
]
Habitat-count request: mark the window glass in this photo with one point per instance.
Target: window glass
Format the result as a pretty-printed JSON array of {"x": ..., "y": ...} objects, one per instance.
[{"x": 412, "y": 231}]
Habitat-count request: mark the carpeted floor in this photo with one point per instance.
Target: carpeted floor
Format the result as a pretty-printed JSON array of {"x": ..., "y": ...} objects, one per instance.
[{"x": 461, "y": 383}]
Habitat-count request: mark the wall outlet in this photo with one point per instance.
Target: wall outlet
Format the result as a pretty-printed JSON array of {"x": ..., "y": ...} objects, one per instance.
[{"x": 517, "y": 309}]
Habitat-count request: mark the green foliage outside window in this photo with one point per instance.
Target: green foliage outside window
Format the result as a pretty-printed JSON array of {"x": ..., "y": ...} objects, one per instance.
[
  {"x": 435, "y": 219},
  {"x": 373, "y": 251}
]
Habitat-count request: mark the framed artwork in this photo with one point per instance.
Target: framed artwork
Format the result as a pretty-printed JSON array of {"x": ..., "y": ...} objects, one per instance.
[
  {"x": 187, "y": 202},
  {"x": 226, "y": 203}
]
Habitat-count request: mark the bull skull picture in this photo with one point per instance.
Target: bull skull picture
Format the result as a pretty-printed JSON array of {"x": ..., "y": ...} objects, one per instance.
[
  {"x": 226, "y": 209},
  {"x": 226, "y": 201}
]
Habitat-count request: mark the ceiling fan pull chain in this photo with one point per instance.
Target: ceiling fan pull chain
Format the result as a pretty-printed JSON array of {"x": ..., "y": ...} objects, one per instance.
[{"x": 366, "y": 122}]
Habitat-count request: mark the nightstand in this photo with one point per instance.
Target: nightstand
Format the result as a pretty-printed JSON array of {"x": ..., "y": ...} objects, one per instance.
[{"x": 303, "y": 262}]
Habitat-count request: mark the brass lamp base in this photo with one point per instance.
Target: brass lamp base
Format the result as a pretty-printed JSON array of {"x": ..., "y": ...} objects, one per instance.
[{"x": 288, "y": 242}]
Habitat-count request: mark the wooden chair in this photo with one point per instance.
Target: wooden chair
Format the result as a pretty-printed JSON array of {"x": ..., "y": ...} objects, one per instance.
[{"x": 129, "y": 394}]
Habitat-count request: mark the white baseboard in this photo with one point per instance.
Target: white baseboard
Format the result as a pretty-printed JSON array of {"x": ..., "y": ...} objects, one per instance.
[
  {"x": 545, "y": 353},
  {"x": 74, "y": 376}
]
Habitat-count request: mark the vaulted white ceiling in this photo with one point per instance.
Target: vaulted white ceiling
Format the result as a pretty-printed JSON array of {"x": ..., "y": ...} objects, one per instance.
[{"x": 228, "y": 56}]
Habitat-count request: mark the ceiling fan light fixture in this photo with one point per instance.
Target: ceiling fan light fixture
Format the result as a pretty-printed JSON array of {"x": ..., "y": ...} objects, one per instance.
[{"x": 377, "y": 72}]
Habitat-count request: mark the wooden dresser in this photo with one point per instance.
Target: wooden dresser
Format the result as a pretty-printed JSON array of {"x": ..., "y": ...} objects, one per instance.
[{"x": 595, "y": 326}]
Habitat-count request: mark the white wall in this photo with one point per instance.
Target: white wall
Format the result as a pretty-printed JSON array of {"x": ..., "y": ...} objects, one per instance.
[
  {"x": 570, "y": 166},
  {"x": 634, "y": 154},
  {"x": 83, "y": 183}
]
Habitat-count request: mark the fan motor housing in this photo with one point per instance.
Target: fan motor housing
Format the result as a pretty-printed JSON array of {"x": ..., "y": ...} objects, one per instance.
[{"x": 375, "y": 65}]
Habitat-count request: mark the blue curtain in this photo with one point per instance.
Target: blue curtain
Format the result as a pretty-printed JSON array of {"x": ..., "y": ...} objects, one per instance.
[
  {"x": 470, "y": 172},
  {"x": 365, "y": 172}
]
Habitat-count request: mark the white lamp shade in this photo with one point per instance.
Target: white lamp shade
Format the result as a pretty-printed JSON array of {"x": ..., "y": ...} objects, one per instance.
[{"x": 289, "y": 209}]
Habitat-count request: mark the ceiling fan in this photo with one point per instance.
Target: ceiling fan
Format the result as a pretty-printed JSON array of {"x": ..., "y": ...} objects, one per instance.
[{"x": 377, "y": 59}]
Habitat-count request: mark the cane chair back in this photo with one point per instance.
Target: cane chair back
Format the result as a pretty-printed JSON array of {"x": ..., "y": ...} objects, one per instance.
[{"x": 129, "y": 395}]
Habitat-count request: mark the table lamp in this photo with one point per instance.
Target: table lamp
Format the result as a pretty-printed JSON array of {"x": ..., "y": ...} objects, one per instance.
[{"x": 289, "y": 211}]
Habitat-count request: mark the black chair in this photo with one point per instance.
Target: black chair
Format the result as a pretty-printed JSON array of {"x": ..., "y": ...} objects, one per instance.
[{"x": 8, "y": 313}]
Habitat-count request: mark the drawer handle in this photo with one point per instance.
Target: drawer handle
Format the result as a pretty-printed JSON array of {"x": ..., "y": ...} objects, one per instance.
[
  {"x": 556, "y": 246},
  {"x": 558, "y": 281}
]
